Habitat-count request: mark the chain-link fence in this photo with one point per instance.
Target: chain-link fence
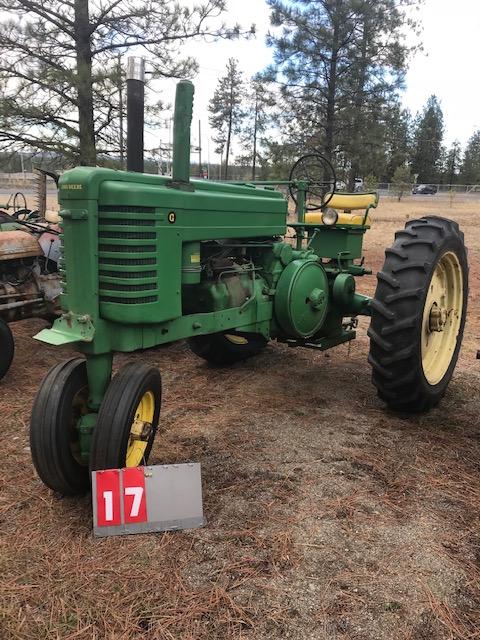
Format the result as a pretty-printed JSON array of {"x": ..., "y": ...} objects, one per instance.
[{"x": 465, "y": 190}]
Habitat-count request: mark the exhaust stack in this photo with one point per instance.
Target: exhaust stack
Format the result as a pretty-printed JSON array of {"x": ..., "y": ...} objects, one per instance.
[{"x": 135, "y": 113}]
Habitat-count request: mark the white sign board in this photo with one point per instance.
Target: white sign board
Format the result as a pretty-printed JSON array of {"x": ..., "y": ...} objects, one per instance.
[{"x": 144, "y": 499}]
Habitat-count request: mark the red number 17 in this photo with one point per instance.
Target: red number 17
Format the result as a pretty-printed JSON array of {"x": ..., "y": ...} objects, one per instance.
[{"x": 109, "y": 511}]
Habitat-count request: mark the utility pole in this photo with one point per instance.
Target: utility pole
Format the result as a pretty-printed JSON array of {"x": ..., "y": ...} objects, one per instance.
[
  {"x": 255, "y": 131},
  {"x": 23, "y": 168},
  {"x": 208, "y": 158},
  {"x": 200, "y": 171},
  {"x": 120, "y": 106}
]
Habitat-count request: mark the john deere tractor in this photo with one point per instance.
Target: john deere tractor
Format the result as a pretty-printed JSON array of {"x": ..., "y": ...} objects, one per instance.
[{"x": 148, "y": 260}]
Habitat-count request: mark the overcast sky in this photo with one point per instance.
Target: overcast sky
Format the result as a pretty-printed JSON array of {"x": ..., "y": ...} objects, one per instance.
[{"x": 448, "y": 66}]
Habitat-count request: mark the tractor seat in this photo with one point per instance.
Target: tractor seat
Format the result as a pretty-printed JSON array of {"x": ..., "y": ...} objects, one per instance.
[{"x": 348, "y": 202}]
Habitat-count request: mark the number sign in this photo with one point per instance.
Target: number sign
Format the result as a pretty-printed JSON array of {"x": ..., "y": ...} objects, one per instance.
[
  {"x": 134, "y": 501},
  {"x": 142, "y": 499},
  {"x": 108, "y": 498}
]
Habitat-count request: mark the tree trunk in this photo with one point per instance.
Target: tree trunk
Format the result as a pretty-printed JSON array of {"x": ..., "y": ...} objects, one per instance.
[
  {"x": 83, "y": 51},
  {"x": 331, "y": 95},
  {"x": 255, "y": 129},
  {"x": 358, "y": 105},
  {"x": 229, "y": 136}
]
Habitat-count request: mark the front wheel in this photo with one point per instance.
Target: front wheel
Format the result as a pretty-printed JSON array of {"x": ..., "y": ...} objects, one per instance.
[
  {"x": 223, "y": 349},
  {"x": 418, "y": 314},
  {"x": 54, "y": 440},
  {"x": 7, "y": 348},
  {"x": 128, "y": 419}
]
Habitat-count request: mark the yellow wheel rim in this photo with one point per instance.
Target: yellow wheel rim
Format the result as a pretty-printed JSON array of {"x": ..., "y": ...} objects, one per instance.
[
  {"x": 442, "y": 316},
  {"x": 234, "y": 339},
  {"x": 140, "y": 430}
]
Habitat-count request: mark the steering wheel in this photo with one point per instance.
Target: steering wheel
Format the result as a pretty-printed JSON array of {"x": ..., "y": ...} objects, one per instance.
[
  {"x": 19, "y": 196},
  {"x": 321, "y": 177}
]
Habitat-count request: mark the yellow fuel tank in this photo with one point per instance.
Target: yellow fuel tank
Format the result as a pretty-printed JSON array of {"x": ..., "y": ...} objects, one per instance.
[
  {"x": 348, "y": 206},
  {"x": 315, "y": 217}
]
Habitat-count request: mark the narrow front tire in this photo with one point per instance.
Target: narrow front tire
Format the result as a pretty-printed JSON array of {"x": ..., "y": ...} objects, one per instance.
[
  {"x": 7, "y": 348},
  {"x": 128, "y": 419},
  {"x": 54, "y": 440}
]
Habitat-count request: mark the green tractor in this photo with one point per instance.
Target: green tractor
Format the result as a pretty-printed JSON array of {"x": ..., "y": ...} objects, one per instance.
[{"x": 148, "y": 260}]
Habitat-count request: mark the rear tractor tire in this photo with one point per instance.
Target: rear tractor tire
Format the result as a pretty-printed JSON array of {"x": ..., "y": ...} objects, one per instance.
[
  {"x": 7, "y": 348},
  {"x": 418, "y": 314},
  {"x": 223, "y": 349}
]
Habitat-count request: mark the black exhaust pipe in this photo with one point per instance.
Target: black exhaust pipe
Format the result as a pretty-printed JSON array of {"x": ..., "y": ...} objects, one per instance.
[{"x": 135, "y": 113}]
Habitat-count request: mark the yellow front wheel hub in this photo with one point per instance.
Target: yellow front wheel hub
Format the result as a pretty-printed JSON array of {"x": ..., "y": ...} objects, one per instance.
[
  {"x": 140, "y": 430},
  {"x": 442, "y": 316}
]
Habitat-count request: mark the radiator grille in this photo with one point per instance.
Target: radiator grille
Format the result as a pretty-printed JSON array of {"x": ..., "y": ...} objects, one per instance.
[
  {"x": 128, "y": 235},
  {"x": 118, "y": 208},
  {"x": 127, "y": 222},
  {"x": 113, "y": 286},
  {"x": 127, "y": 261},
  {"x": 128, "y": 300},
  {"x": 126, "y": 274},
  {"x": 61, "y": 265},
  {"x": 117, "y": 226},
  {"x": 121, "y": 248}
]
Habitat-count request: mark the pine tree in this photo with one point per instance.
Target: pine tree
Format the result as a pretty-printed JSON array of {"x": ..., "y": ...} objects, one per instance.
[
  {"x": 376, "y": 73},
  {"x": 452, "y": 163},
  {"x": 427, "y": 142},
  {"x": 401, "y": 181},
  {"x": 311, "y": 61},
  {"x": 59, "y": 73},
  {"x": 225, "y": 109},
  {"x": 340, "y": 64},
  {"x": 257, "y": 117},
  {"x": 279, "y": 159},
  {"x": 470, "y": 171},
  {"x": 397, "y": 140}
]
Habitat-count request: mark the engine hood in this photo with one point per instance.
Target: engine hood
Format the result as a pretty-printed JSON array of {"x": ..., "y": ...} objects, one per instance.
[{"x": 18, "y": 244}]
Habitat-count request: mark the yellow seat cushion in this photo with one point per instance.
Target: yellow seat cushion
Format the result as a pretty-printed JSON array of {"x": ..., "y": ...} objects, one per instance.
[{"x": 353, "y": 201}]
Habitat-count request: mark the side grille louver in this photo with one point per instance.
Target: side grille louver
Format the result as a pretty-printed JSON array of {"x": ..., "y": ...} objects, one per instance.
[{"x": 127, "y": 276}]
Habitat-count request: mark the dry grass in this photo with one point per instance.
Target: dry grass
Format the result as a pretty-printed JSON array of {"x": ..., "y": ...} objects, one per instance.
[{"x": 328, "y": 517}]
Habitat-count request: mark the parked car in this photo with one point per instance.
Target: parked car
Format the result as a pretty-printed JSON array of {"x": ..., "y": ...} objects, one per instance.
[
  {"x": 425, "y": 189},
  {"x": 358, "y": 184}
]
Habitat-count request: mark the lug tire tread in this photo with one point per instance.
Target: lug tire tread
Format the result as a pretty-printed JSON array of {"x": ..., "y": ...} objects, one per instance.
[{"x": 397, "y": 312}]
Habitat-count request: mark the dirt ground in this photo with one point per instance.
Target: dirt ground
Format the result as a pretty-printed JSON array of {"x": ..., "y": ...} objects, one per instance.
[{"x": 327, "y": 516}]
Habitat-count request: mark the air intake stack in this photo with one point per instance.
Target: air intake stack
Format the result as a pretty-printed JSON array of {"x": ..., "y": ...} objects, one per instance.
[{"x": 182, "y": 122}]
